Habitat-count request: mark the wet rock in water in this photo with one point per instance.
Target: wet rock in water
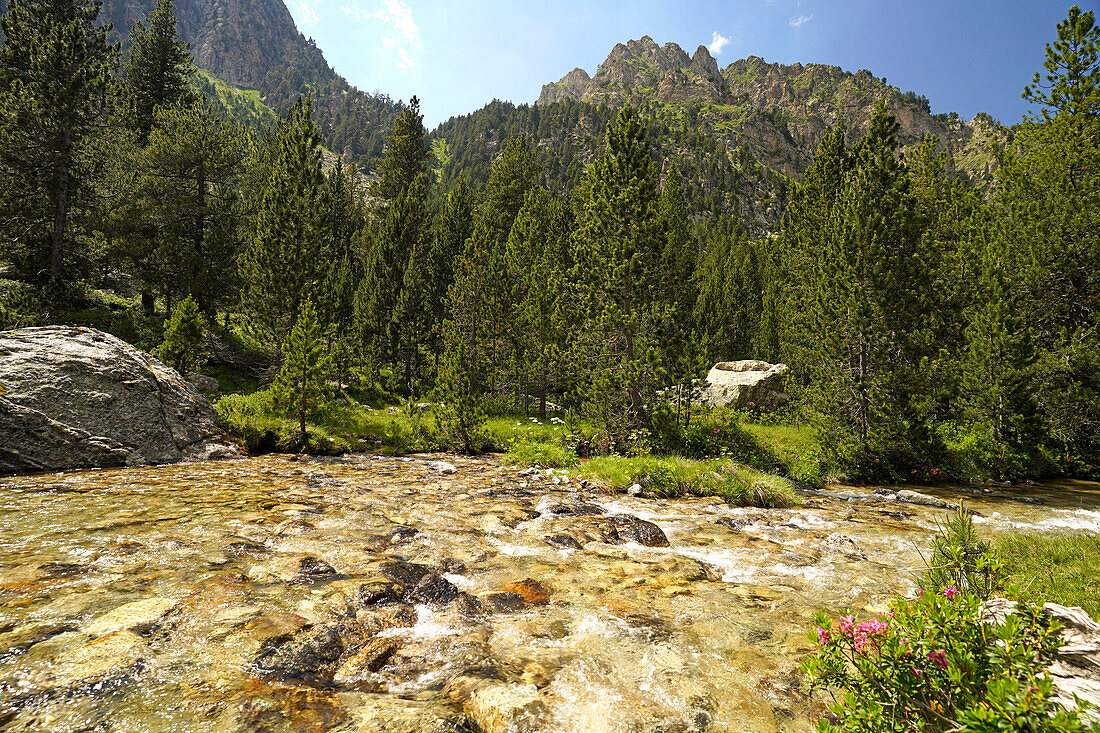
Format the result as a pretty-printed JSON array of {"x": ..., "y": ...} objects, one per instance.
[
  {"x": 384, "y": 714},
  {"x": 274, "y": 626},
  {"x": 451, "y": 565},
  {"x": 21, "y": 638},
  {"x": 405, "y": 574},
  {"x": 294, "y": 527},
  {"x": 111, "y": 658},
  {"x": 312, "y": 653},
  {"x": 442, "y": 467},
  {"x": 506, "y": 601},
  {"x": 81, "y": 398},
  {"x": 380, "y": 618},
  {"x": 310, "y": 569},
  {"x": 531, "y": 471},
  {"x": 502, "y": 707},
  {"x": 735, "y": 524},
  {"x": 635, "y": 490},
  {"x": 915, "y": 497},
  {"x": 64, "y": 569},
  {"x": 468, "y": 605},
  {"x": 512, "y": 517},
  {"x": 845, "y": 544},
  {"x": 531, "y": 591},
  {"x": 562, "y": 540},
  {"x": 572, "y": 506},
  {"x": 377, "y": 592},
  {"x": 354, "y": 671},
  {"x": 432, "y": 590},
  {"x": 632, "y": 529},
  {"x": 141, "y": 616},
  {"x": 244, "y": 546}
]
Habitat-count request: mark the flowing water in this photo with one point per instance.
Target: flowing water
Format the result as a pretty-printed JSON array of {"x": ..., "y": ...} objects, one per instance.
[{"x": 193, "y": 597}]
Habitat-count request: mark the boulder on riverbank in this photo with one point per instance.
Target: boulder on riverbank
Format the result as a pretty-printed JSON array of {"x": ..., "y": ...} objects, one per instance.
[
  {"x": 744, "y": 384},
  {"x": 81, "y": 398}
]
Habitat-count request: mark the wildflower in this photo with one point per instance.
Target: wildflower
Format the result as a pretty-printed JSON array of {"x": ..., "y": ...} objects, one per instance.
[
  {"x": 823, "y": 635},
  {"x": 951, "y": 592},
  {"x": 846, "y": 624},
  {"x": 939, "y": 658},
  {"x": 717, "y": 430}
]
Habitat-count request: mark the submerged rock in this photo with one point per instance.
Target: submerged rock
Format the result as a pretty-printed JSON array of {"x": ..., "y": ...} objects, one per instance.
[
  {"x": 354, "y": 672},
  {"x": 442, "y": 467},
  {"x": 139, "y": 616},
  {"x": 111, "y": 658},
  {"x": 432, "y": 590},
  {"x": 632, "y": 529},
  {"x": 531, "y": 591},
  {"x": 81, "y": 398},
  {"x": 915, "y": 497}
]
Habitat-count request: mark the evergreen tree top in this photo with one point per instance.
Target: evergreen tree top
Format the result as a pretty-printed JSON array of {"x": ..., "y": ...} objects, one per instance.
[{"x": 1072, "y": 83}]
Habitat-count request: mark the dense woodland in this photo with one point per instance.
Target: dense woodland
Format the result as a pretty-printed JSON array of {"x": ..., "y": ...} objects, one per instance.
[{"x": 920, "y": 315}]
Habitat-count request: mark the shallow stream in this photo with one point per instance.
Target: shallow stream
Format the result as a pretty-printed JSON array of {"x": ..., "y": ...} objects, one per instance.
[{"x": 374, "y": 594}]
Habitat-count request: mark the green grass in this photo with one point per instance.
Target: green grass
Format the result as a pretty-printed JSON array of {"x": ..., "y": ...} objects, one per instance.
[
  {"x": 245, "y": 106},
  {"x": 674, "y": 477},
  {"x": 796, "y": 447},
  {"x": 1058, "y": 568},
  {"x": 547, "y": 455}
]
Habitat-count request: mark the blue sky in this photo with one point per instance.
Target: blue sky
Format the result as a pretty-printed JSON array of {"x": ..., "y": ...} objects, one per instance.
[{"x": 966, "y": 56}]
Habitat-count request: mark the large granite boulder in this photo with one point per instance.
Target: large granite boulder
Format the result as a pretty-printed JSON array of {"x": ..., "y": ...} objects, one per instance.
[
  {"x": 744, "y": 384},
  {"x": 81, "y": 398}
]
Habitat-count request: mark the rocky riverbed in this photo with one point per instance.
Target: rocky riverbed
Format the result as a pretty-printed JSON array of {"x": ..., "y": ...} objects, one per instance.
[{"x": 378, "y": 594}]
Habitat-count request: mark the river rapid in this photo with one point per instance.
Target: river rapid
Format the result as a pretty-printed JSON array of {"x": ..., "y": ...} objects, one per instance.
[{"x": 375, "y": 594}]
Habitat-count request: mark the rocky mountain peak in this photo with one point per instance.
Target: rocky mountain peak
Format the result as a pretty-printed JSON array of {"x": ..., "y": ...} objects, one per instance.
[{"x": 705, "y": 61}]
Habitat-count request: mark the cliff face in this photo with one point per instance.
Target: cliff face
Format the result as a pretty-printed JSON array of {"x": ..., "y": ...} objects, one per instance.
[
  {"x": 781, "y": 112},
  {"x": 255, "y": 44}
]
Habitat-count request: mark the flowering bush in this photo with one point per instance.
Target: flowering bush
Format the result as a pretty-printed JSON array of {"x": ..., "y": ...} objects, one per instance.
[{"x": 931, "y": 664}]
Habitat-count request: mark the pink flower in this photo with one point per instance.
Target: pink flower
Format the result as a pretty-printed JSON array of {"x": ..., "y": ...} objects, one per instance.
[
  {"x": 823, "y": 635},
  {"x": 951, "y": 592},
  {"x": 846, "y": 624},
  {"x": 939, "y": 658},
  {"x": 717, "y": 430}
]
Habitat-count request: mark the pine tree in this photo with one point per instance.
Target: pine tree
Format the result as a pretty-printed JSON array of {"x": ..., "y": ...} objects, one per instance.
[
  {"x": 282, "y": 263},
  {"x": 1046, "y": 218},
  {"x": 620, "y": 244},
  {"x": 406, "y": 153},
  {"x": 184, "y": 343},
  {"x": 185, "y": 230},
  {"x": 56, "y": 67},
  {"x": 538, "y": 260},
  {"x": 301, "y": 386},
  {"x": 998, "y": 389},
  {"x": 453, "y": 227},
  {"x": 158, "y": 69},
  {"x": 855, "y": 265}
]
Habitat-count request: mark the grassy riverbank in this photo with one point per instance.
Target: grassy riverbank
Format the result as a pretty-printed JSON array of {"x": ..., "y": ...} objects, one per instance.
[{"x": 1059, "y": 568}]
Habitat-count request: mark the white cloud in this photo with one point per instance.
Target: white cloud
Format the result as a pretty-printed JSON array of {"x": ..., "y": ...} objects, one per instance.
[
  {"x": 801, "y": 20},
  {"x": 399, "y": 32},
  {"x": 307, "y": 12},
  {"x": 399, "y": 15},
  {"x": 717, "y": 43},
  {"x": 353, "y": 11}
]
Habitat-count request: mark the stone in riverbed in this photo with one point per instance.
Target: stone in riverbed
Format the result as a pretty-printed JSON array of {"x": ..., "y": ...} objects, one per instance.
[
  {"x": 533, "y": 592},
  {"x": 312, "y": 653},
  {"x": 433, "y": 590},
  {"x": 563, "y": 541},
  {"x": 442, "y": 467},
  {"x": 81, "y": 398},
  {"x": 20, "y": 639},
  {"x": 632, "y": 529},
  {"x": 354, "y": 671},
  {"x": 108, "y": 659},
  {"x": 495, "y": 706},
  {"x": 915, "y": 497},
  {"x": 139, "y": 615}
]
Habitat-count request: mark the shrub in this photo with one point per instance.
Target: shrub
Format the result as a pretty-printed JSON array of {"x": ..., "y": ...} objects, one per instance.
[
  {"x": 932, "y": 664},
  {"x": 935, "y": 663},
  {"x": 184, "y": 345}
]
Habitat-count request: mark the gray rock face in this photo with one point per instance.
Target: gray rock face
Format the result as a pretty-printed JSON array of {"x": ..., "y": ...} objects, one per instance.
[
  {"x": 743, "y": 384},
  {"x": 81, "y": 398},
  {"x": 1075, "y": 668}
]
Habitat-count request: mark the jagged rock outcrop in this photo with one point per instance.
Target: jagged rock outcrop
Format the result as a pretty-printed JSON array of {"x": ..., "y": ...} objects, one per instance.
[
  {"x": 780, "y": 111},
  {"x": 1075, "y": 668},
  {"x": 744, "y": 384},
  {"x": 81, "y": 398}
]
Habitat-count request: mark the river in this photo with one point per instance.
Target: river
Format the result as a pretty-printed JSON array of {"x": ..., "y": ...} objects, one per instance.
[{"x": 373, "y": 594}]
